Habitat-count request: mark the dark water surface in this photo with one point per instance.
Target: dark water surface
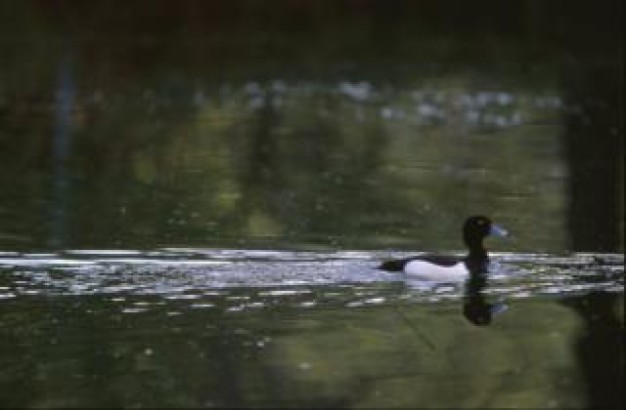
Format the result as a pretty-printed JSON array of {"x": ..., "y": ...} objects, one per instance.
[
  {"x": 194, "y": 327},
  {"x": 240, "y": 124},
  {"x": 194, "y": 195}
]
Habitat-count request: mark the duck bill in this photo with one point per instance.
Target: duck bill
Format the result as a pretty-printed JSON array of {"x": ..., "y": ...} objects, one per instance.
[
  {"x": 498, "y": 308},
  {"x": 498, "y": 231}
]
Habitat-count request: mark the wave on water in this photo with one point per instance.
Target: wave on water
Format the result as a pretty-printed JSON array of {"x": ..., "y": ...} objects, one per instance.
[{"x": 195, "y": 274}]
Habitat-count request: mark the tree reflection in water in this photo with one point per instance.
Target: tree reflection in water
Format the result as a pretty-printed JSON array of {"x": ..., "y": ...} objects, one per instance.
[{"x": 599, "y": 347}]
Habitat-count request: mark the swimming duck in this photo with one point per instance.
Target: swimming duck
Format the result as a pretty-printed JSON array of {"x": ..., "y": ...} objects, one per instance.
[{"x": 449, "y": 268}]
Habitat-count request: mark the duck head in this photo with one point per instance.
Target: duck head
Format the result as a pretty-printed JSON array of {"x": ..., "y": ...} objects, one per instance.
[{"x": 477, "y": 228}]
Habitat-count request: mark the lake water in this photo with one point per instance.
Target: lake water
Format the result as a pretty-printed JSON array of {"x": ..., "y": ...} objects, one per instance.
[
  {"x": 235, "y": 328},
  {"x": 194, "y": 198}
]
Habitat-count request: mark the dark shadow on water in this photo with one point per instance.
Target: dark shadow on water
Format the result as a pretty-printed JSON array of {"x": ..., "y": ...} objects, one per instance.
[
  {"x": 600, "y": 348},
  {"x": 594, "y": 131},
  {"x": 476, "y": 309},
  {"x": 594, "y": 144}
]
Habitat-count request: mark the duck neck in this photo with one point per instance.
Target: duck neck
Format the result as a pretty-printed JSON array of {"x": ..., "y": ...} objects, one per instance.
[
  {"x": 477, "y": 258},
  {"x": 477, "y": 252},
  {"x": 477, "y": 263},
  {"x": 475, "y": 245}
]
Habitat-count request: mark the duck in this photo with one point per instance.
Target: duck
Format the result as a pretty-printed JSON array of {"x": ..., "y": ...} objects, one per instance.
[{"x": 450, "y": 268}]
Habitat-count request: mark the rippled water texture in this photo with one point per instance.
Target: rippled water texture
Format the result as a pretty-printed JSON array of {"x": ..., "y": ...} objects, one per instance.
[
  {"x": 203, "y": 327},
  {"x": 202, "y": 275}
]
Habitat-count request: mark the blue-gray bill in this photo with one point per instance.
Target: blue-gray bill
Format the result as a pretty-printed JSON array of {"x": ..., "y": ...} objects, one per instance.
[{"x": 498, "y": 231}]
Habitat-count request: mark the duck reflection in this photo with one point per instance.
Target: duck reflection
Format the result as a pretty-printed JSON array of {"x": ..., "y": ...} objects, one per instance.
[{"x": 476, "y": 309}]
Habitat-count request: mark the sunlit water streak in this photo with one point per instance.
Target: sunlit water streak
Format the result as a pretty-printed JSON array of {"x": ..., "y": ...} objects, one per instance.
[{"x": 245, "y": 280}]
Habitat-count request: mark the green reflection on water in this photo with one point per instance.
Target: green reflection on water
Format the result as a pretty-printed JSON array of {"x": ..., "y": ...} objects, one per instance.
[
  {"x": 183, "y": 131},
  {"x": 84, "y": 351},
  {"x": 229, "y": 125},
  {"x": 280, "y": 164}
]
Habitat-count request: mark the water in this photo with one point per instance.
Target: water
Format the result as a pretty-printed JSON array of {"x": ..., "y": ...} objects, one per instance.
[
  {"x": 194, "y": 198},
  {"x": 225, "y": 125},
  {"x": 209, "y": 327}
]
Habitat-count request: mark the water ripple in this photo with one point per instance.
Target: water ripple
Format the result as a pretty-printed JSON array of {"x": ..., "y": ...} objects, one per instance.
[{"x": 243, "y": 280}]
